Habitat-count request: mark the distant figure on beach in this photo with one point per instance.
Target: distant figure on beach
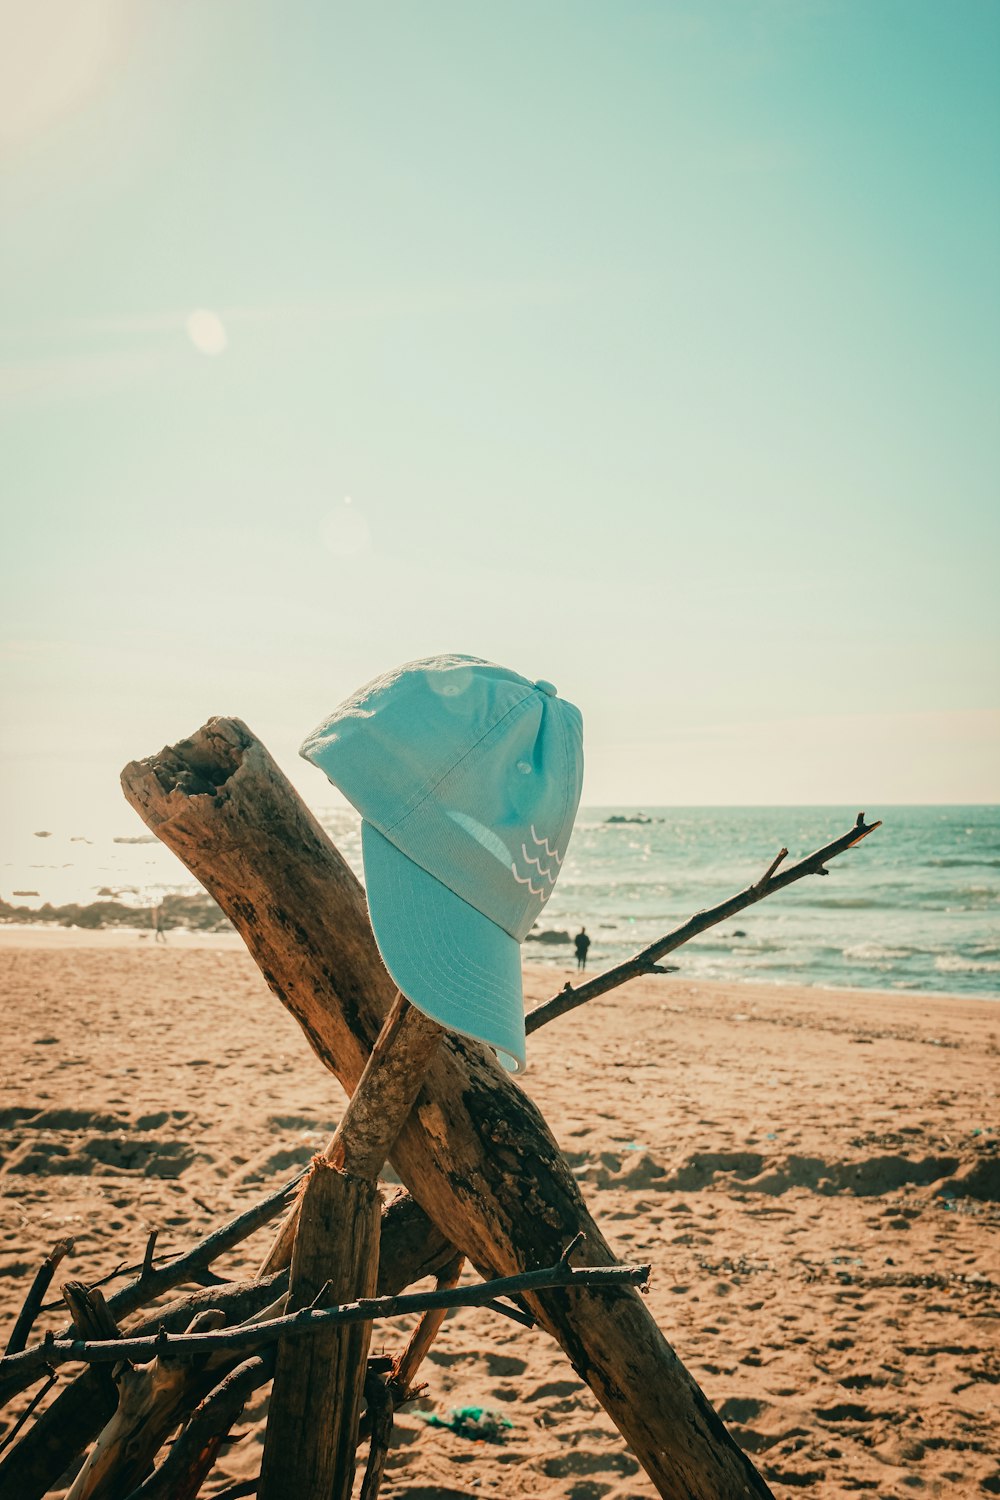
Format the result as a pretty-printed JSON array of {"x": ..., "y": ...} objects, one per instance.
[
  {"x": 581, "y": 943},
  {"x": 159, "y": 936}
]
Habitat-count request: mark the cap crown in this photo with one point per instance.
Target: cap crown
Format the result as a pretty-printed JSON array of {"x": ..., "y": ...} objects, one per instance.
[{"x": 470, "y": 770}]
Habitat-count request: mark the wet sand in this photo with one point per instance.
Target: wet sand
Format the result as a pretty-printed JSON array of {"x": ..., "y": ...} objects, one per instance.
[{"x": 813, "y": 1174}]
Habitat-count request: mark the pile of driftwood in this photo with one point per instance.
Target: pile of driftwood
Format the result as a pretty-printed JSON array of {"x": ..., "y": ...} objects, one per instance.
[{"x": 486, "y": 1183}]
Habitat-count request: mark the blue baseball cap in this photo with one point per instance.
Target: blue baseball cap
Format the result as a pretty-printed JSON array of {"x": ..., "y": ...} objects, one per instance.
[{"x": 467, "y": 777}]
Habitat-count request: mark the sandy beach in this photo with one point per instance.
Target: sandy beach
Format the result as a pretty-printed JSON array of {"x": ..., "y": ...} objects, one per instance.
[{"x": 813, "y": 1175}]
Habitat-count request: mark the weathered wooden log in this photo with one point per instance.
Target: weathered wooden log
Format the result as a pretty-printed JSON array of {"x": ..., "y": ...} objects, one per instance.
[
  {"x": 386, "y": 1091},
  {"x": 376, "y": 1110},
  {"x": 195, "y": 1450},
  {"x": 79, "y": 1412},
  {"x": 151, "y": 1400},
  {"x": 336, "y": 1245},
  {"x": 411, "y": 1248},
  {"x": 312, "y": 1424},
  {"x": 475, "y": 1151}
]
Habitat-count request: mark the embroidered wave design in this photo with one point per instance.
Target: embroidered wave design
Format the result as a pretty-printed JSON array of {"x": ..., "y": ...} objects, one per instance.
[
  {"x": 522, "y": 880},
  {"x": 546, "y": 874},
  {"x": 544, "y": 844},
  {"x": 530, "y": 859}
]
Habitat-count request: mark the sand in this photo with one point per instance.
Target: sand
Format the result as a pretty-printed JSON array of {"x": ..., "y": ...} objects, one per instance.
[{"x": 813, "y": 1175}]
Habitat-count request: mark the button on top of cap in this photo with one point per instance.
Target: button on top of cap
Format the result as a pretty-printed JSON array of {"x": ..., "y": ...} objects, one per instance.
[{"x": 546, "y": 687}]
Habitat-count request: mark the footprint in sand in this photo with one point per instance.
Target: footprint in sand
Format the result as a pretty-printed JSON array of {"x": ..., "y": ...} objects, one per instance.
[
  {"x": 584, "y": 1461},
  {"x": 504, "y": 1365},
  {"x": 79, "y": 1143}
]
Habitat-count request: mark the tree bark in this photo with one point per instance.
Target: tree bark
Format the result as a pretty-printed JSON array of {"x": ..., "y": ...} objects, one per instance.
[
  {"x": 411, "y": 1249},
  {"x": 475, "y": 1151},
  {"x": 336, "y": 1250},
  {"x": 312, "y": 1422}
]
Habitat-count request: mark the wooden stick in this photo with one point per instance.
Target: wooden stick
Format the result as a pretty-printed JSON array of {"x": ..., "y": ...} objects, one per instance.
[
  {"x": 337, "y": 1243},
  {"x": 406, "y": 1364},
  {"x": 376, "y": 1110},
  {"x": 39, "y": 1396},
  {"x": 92, "y": 1318},
  {"x": 36, "y": 1296},
  {"x": 312, "y": 1420},
  {"x": 475, "y": 1151},
  {"x": 310, "y": 1320},
  {"x": 380, "y": 1414},
  {"x": 569, "y": 998},
  {"x": 82, "y": 1408},
  {"x": 192, "y": 1455},
  {"x": 386, "y": 1091},
  {"x": 399, "y": 1382},
  {"x": 151, "y": 1400},
  {"x": 411, "y": 1248}
]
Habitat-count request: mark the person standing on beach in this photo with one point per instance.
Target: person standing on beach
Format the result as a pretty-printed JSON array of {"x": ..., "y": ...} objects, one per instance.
[
  {"x": 582, "y": 943},
  {"x": 159, "y": 935}
]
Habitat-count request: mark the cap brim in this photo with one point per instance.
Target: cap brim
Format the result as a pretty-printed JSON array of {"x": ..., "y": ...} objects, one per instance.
[{"x": 447, "y": 958}]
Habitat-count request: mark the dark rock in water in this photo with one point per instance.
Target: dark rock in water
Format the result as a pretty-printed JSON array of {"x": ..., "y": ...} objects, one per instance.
[
  {"x": 198, "y": 913},
  {"x": 43, "y": 833},
  {"x": 635, "y": 818},
  {"x": 550, "y": 935}
]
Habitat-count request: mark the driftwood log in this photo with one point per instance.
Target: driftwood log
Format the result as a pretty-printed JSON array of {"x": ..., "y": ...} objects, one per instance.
[
  {"x": 475, "y": 1152},
  {"x": 336, "y": 1252},
  {"x": 411, "y": 1248},
  {"x": 312, "y": 1422}
]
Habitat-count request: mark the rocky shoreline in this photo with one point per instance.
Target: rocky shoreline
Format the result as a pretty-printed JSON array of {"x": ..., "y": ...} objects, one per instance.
[{"x": 197, "y": 913}]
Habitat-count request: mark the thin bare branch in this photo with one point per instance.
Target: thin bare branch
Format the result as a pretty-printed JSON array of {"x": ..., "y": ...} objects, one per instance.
[
  {"x": 300, "y": 1324},
  {"x": 188, "y": 1266},
  {"x": 406, "y": 1365},
  {"x": 381, "y": 1408},
  {"x": 36, "y": 1398},
  {"x": 147, "y": 1259},
  {"x": 576, "y": 1240},
  {"x": 782, "y": 854},
  {"x": 32, "y": 1305},
  {"x": 150, "y": 1283},
  {"x": 568, "y": 998},
  {"x": 513, "y": 1311}
]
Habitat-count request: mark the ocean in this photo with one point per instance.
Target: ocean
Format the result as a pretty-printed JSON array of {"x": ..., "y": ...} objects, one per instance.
[{"x": 916, "y": 906}]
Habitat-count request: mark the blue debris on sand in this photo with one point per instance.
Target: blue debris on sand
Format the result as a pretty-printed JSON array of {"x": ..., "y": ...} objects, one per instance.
[{"x": 476, "y": 1422}]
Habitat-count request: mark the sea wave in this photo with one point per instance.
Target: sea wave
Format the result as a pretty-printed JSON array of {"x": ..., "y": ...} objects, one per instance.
[
  {"x": 913, "y": 908},
  {"x": 877, "y": 953},
  {"x": 955, "y": 864},
  {"x": 957, "y": 963}
]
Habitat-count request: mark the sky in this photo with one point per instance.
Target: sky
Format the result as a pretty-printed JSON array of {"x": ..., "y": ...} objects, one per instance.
[{"x": 649, "y": 348}]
